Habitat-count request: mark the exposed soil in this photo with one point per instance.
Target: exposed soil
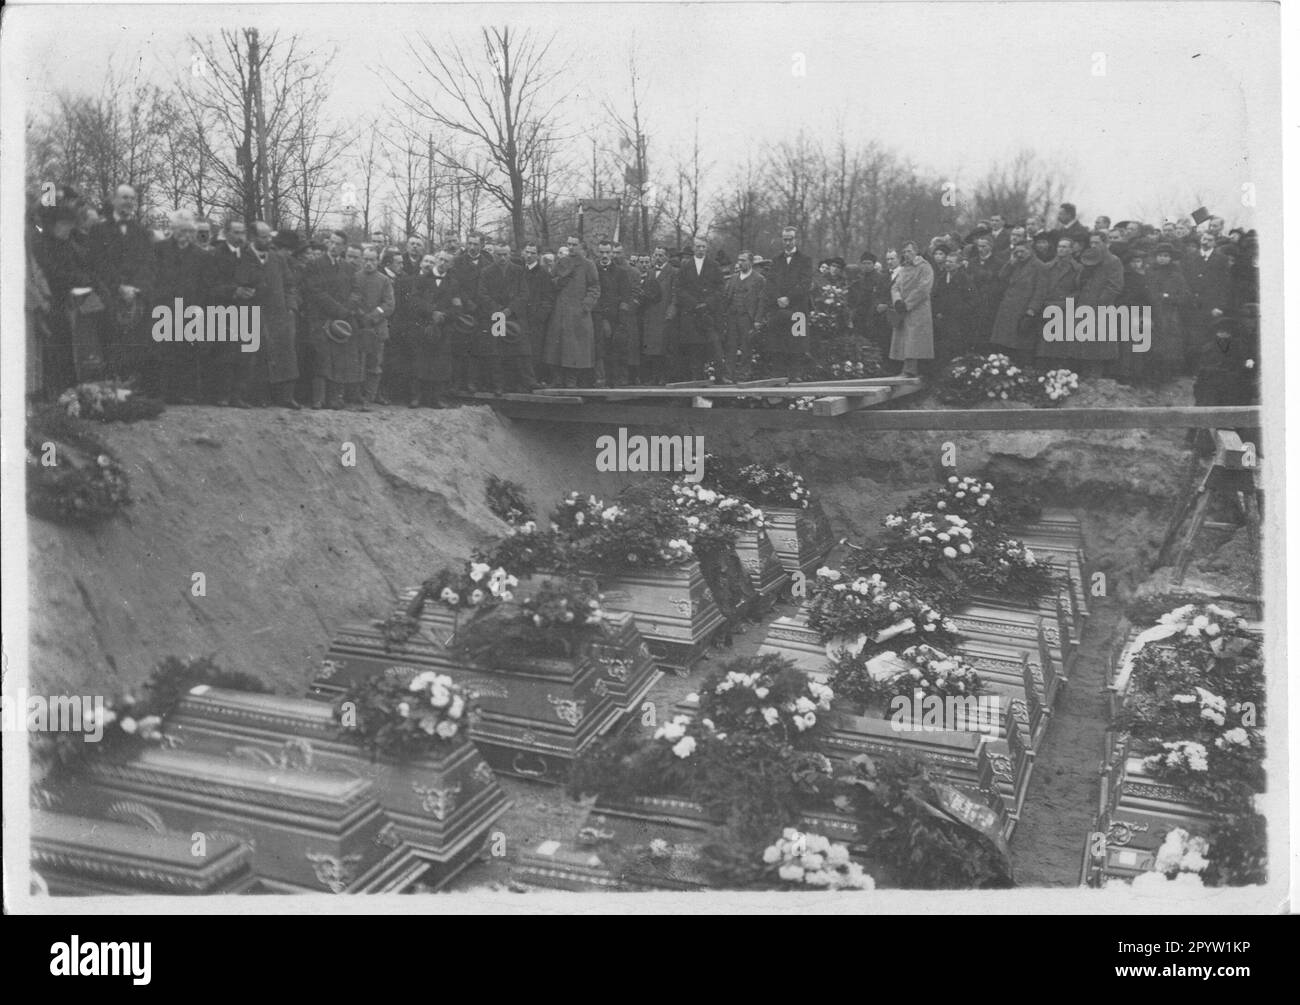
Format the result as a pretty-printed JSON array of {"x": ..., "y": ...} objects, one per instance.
[{"x": 293, "y": 544}]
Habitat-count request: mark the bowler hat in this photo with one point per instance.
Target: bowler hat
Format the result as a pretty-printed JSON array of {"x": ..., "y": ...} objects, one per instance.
[
  {"x": 338, "y": 331},
  {"x": 465, "y": 324}
]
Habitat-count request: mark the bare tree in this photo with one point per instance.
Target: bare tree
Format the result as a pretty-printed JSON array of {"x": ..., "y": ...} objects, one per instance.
[
  {"x": 264, "y": 98},
  {"x": 498, "y": 103}
]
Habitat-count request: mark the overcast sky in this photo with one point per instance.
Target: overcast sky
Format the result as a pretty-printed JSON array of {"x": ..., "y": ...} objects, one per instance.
[{"x": 1185, "y": 112}]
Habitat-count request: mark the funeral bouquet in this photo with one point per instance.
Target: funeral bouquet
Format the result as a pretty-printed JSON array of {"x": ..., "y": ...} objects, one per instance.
[
  {"x": 936, "y": 673},
  {"x": 403, "y": 713},
  {"x": 771, "y": 696},
  {"x": 508, "y": 500},
  {"x": 742, "y": 768},
  {"x": 970, "y": 380},
  {"x": 829, "y": 311},
  {"x": 72, "y": 477},
  {"x": 1057, "y": 385},
  {"x": 975, "y": 501},
  {"x": 475, "y": 587},
  {"x": 525, "y": 549},
  {"x": 922, "y": 670},
  {"x": 1195, "y": 699},
  {"x": 555, "y": 620},
  {"x": 577, "y": 515},
  {"x": 1009, "y": 567},
  {"x": 133, "y": 719},
  {"x": 902, "y": 810},
  {"x": 472, "y": 587},
  {"x": 108, "y": 401},
  {"x": 801, "y": 860},
  {"x": 854, "y": 614},
  {"x": 646, "y": 527},
  {"x": 760, "y": 484},
  {"x": 713, "y": 519}
]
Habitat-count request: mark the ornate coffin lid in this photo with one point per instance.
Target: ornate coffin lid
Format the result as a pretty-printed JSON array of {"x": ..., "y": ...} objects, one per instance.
[
  {"x": 277, "y": 713},
  {"x": 203, "y": 778},
  {"x": 422, "y": 653},
  {"x": 245, "y": 713},
  {"x": 965, "y": 742},
  {"x": 134, "y": 856}
]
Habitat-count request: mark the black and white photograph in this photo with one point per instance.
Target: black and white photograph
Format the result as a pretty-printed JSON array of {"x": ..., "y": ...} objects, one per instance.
[{"x": 624, "y": 458}]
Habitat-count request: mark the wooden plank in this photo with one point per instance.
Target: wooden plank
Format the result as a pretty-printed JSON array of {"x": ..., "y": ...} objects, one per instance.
[
  {"x": 546, "y": 399},
  {"x": 861, "y": 381},
  {"x": 872, "y": 420},
  {"x": 766, "y": 382},
  {"x": 722, "y": 391},
  {"x": 688, "y": 383}
]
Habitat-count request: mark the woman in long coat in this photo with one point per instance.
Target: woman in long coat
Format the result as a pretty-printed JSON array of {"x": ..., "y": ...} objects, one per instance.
[
  {"x": 1023, "y": 280},
  {"x": 914, "y": 331},
  {"x": 1170, "y": 296},
  {"x": 571, "y": 337}
]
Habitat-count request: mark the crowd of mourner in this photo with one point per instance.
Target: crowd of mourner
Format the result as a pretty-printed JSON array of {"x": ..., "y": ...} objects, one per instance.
[{"x": 347, "y": 323}]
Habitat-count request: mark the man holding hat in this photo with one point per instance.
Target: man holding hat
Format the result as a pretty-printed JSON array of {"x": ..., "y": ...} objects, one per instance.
[{"x": 329, "y": 292}]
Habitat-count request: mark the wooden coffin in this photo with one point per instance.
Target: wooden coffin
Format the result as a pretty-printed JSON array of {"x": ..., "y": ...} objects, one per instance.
[
  {"x": 442, "y": 805},
  {"x": 674, "y": 610},
  {"x": 1138, "y": 812},
  {"x": 628, "y": 667},
  {"x": 80, "y": 856},
  {"x": 759, "y": 559},
  {"x": 790, "y": 636},
  {"x": 802, "y": 537},
  {"x": 1005, "y": 666},
  {"x": 683, "y": 824},
  {"x": 309, "y": 832},
  {"x": 970, "y": 760},
  {"x": 533, "y": 716},
  {"x": 563, "y": 865},
  {"x": 1019, "y": 630}
]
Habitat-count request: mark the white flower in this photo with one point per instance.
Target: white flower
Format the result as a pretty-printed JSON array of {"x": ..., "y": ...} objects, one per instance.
[
  {"x": 771, "y": 716},
  {"x": 128, "y": 725},
  {"x": 803, "y": 705},
  {"x": 809, "y": 720},
  {"x": 439, "y": 696},
  {"x": 950, "y": 552},
  {"x": 477, "y": 570},
  {"x": 762, "y": 692},
  {"x": 684, "y": 747},
  {"x": 771, "y": 854},
  {"x": 457, "y": 707},
  {"x": 965, "y": 549},
  {"x": 403, "y": 709},
  {"x": 791, "y": 873}
]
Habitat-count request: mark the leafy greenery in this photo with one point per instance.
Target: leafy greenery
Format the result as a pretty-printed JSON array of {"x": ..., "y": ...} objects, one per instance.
[
  {"x": 508, "y": 500},
  {"x": 72, "y": 477}
]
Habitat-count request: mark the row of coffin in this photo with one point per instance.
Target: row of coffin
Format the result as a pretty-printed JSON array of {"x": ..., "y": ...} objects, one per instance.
[
  {"x": 257, "y": 793},
  {"x": 1023, "y": 651},
  {"x": 1135, "y": 811}
]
